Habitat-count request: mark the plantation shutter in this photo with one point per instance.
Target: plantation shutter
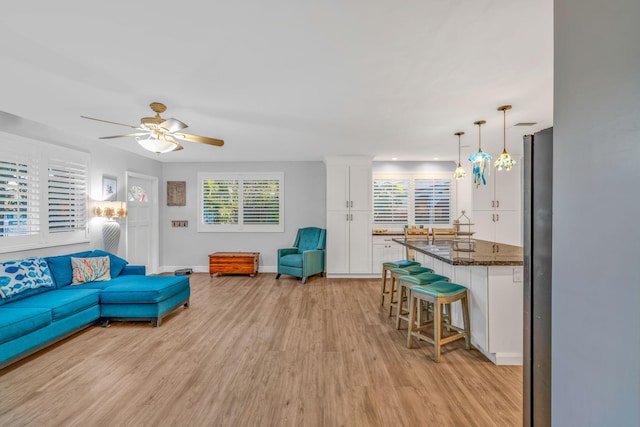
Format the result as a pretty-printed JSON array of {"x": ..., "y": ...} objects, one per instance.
[
  {"x": 67, "y": 196},
  {"x": 220, "y": 201},
  {"x": 261, "y": 201},
  {"x": 432, "y": 201},
  {"x": 19, "y": 194},
  {"x": 391, "y": 201}
]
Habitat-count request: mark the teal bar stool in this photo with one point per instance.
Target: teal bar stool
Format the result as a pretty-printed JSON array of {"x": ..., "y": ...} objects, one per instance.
[
  {"x": 402, "y": 293},
  {"x": 396, "y": 273},
  {"x": 438, "y": 294},
  {"x": 387, "y": 266}
]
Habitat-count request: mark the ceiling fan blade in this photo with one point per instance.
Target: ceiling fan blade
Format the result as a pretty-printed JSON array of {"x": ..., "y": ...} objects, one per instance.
[
  {"x": 173, "y": 125},
  {"x": 126, "y": 134},
  {"x": 200, "y": 139},
  {"x": 113, "y": 123},
  {"x": 170, "y": 138}
]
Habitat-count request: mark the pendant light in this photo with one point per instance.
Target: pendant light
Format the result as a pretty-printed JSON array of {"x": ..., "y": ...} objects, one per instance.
[
  {"x": 459, "y": 173},
  {"x": 505, "y": 161},
  {"x": 480, "y": 159}
]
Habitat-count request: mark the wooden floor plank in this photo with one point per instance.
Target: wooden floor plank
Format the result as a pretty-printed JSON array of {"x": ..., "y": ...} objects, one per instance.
[{"x": 260, "y": 352}]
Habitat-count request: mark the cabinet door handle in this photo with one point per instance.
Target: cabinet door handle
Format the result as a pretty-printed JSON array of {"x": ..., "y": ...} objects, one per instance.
[
  {"x": 493, "y": 203},
  {"x": 497, "y": 217},
  {"x": 497, "y": 203},
  {"x": 352, "y": 203},
  {"x": 347, "y": 217},
  {"x": 497, "y": 248},
  {"x": 346, "y": 204},
  {"x": 351, "y": 219},
  {"x": 493, "y": 217}
]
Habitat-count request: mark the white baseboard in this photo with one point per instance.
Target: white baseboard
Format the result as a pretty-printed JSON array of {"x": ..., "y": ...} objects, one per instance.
[
  {"x": 205, "y": 268},
  {"x": 511, "y": 359}
]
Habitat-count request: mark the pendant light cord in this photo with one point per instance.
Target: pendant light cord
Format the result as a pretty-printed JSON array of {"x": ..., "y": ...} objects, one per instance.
[{"x": 504, "y": 127}]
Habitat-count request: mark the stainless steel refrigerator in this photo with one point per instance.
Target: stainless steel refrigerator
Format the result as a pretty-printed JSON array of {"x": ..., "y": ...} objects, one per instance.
[{"x": 537, "y": 225}]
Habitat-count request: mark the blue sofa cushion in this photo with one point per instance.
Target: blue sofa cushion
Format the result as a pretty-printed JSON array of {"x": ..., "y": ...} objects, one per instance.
[
  {"x": 293, "y": 260},
  {"x": 61, "y": 269},
  {"x": 61, "y": 302},
  {"x": 144, "y": 289},
  {"x": 117, "y": 264},
  {"x": 16, "y": 322},
  {"x": 22, "y": 278}
]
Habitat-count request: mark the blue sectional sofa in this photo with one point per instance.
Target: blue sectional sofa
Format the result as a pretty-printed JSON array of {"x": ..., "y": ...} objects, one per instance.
[{"x": 44, "y": 300}]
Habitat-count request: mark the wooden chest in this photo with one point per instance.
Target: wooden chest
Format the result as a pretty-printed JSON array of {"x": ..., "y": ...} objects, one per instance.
[{"x": 233, "y": 263}]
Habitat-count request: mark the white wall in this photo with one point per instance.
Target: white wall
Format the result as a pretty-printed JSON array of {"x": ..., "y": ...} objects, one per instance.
[
  {"x": 304, "y": 197},
  {"x": 104, "y": 160},
  {"x": 596, "y": 204}
]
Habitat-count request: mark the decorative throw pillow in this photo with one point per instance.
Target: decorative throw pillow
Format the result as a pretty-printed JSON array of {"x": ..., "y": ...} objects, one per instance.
[
  {"x": 23, "y": 274},
  {"x": 117, "y": 264},
  {"x": 95, "y": 269}
]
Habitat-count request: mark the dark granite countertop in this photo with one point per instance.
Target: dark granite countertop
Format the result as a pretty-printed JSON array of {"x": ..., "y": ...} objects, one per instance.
[{"x": 485, "y": 253}]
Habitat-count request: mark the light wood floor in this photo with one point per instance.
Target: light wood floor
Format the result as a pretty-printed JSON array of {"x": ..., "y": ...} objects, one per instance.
[{"x": 260, "y": 352}]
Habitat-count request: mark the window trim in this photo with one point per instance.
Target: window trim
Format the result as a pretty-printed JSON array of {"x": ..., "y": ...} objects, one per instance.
[
  {"x": 412, "y": 177},
  {"x": 240, "y": 227}
]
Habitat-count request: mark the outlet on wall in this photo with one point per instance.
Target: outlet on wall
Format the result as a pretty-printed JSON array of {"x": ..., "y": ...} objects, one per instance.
[
  {"x": 179, "y": 223},
  {"x": 517, "y": 274}
]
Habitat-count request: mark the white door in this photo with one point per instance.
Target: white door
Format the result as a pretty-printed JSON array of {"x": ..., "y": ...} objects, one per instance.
[{"x": 142, "y": 221}]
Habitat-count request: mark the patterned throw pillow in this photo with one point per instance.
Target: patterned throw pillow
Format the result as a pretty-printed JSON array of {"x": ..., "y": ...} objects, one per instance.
[
  {"x": 23, "y": 274},
  {"x": 96, "y": 269}
]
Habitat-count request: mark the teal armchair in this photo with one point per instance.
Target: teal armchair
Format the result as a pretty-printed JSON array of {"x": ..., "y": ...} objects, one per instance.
[{"x": 306, "y": 258}]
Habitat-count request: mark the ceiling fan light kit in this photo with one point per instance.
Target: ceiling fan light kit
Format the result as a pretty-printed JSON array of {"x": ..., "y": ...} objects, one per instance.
[{"x": 157, "y": 134}]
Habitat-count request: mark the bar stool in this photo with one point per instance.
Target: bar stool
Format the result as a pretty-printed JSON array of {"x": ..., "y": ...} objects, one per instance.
[
  {"x": 402, "y": 293},
  {"x": 386, "y": 266},
  {"x": 438, "y": 294},
  {"x": 396, "y": 273}
]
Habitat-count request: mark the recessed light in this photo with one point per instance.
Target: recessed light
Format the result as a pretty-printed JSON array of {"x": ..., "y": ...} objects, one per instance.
[
  {"x": 394, "y": 158},
  {"x": 436, "y": 158}
]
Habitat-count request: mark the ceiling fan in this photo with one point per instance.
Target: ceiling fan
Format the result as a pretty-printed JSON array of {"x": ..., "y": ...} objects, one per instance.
[{"x": 160, "y": 135}]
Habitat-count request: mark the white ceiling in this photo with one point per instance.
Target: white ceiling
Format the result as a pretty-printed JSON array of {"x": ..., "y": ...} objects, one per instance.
[{"x": 285, "y": 79}]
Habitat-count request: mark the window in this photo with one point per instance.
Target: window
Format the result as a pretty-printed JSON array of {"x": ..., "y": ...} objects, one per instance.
[
  {"x": 241, "y": 202},
  {"x": 43, "y": 194},
  {"x": 412, "y": 199},
  {"x": 391, "y": 201}
]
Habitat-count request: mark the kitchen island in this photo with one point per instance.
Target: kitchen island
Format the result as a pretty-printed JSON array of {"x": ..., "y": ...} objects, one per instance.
[{"x": 492, "y": 272}]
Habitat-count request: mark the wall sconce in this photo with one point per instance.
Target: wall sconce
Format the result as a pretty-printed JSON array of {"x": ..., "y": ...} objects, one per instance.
[{"x": 111, "y": 228}]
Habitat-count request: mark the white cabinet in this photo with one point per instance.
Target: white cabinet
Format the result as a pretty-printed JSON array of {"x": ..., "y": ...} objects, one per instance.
[
  {"x": 348, "y": 216},
  {"x": 497, "y": 207},
  {"x": 385, "y": 250}
]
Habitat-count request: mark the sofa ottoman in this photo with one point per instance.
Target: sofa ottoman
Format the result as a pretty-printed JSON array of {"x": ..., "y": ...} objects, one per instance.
[{"x": 144, "y": 298}]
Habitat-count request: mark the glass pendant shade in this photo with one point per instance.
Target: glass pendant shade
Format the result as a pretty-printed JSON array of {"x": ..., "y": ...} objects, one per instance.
[
  {"x": 480, "y": 160},
  {"x": 459, "y": 173},
  {"x": 505, "y": 161},
  {"x": 156, "y": 145}
]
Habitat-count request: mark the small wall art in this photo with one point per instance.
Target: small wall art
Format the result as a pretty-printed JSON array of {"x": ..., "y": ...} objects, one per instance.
[
  {"x": 176, "y": 193},
  {"x": 109, "y": 187}
]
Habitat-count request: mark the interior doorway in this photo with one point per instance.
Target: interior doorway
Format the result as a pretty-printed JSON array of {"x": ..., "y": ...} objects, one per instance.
[{"x": 142, "y": 239}]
